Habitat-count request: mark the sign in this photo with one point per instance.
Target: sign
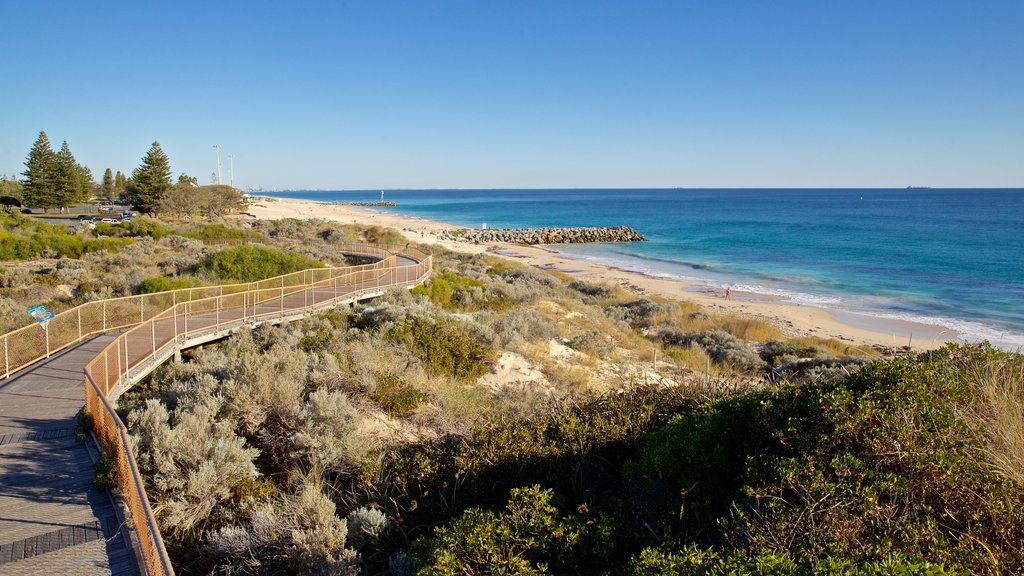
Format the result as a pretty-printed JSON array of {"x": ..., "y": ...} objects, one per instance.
[{"x": 40, "y": 313}]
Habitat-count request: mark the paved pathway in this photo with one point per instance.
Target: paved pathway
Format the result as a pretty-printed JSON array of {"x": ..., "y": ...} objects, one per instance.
[{"x": 52, "y": 518}]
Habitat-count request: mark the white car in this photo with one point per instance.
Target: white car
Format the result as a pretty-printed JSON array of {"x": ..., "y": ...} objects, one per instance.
[{"x": 111, "y": 221}]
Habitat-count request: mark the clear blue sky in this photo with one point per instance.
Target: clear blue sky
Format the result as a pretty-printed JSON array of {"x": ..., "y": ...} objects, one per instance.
[{"x": 437, "y": 94}]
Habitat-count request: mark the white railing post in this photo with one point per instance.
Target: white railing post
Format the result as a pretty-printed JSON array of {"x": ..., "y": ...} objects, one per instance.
[
  {"x": 142, "y": 309},
  {"x": 218, "y": 312},
  {"x": 184, "y": 318},
  {"x": 79, "y": 322},
  {"x": 7, "y": 360},
  {"x": 152, "y": 327},
  {"x": 104, "y": 315},
  {"x": 117, "y": 347}
]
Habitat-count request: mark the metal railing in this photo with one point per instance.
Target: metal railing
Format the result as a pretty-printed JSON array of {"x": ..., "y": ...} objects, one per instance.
[
  {"x": 163, "y": 323},
  {"x": 32, "y": 343}
]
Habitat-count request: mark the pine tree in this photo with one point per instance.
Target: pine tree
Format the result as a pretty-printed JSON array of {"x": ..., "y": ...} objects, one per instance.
[
  {"x": 38, "y": 191},
  {"x": 69, "y": 178},
  {"x": 87, "y": 187},
  {"x": 120, "y": 183},
  {"x": 107, "y": 188},
  {"x": 150, "y": 180}
]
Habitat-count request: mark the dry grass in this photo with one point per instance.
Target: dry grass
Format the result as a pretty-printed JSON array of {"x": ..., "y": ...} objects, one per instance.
[
  {"x": 1002, "y": 385},
  {"x": 835, "y": 347},
  {"x": 746, "y": 328}
]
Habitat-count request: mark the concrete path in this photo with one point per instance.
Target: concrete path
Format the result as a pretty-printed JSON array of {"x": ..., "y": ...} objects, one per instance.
[{"x": 53, "y": 520}]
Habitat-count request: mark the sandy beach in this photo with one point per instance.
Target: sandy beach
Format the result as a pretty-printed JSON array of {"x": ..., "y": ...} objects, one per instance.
[{"x": 793, "y": 319}]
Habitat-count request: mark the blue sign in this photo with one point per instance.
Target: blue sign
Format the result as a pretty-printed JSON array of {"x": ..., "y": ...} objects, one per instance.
[{"x": 40, "y": 313}]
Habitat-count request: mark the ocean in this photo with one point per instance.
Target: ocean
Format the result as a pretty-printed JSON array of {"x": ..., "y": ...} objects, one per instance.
[{"x": 950, "y": 257}]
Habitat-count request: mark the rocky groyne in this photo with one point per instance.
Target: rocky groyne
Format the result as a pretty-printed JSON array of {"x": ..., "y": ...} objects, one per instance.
[{"x": 533, "y": 236}]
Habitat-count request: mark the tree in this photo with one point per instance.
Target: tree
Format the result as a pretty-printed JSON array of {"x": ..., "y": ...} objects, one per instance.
[
  {"x": 11, "y": 191},
  {"x": 39, "y": 175},
  {"x": 186, "y": 180},
  {"x": 120, "y": 183},
  {"x": 150, "y": 181},
  {"x": 72, "y": 183},
  {"x": 107, "y": 187},
  {"x": 209, "y": 201}
]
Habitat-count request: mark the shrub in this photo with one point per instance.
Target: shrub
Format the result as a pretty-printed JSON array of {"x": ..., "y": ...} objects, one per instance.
[
  {"x": 220, "y": 232},
  {"x": 163, "y": 283},
  {"x": 251, "y": 263},
  {"x": 592, "y": 343},
  {"x": 882, "y": 467},
  {"x": 637, "y": 313},
  {"x": 383, "y": 235},
  {"x": 135, "y": 228},
  {"x": 191, "y": 460},
  {"x": 723, "y": 347},
  {"x": 299, "y": 533},
  {"x": 523, "y": 325},
  {"x": 593, "y": 290},
  {"x": 365, "y": 527},
  {"x": 445, "y": 347},
  {"x": 528, "y": 537},
  {"x": 326, "y": 436},
  {"x": 396, "y": 396}
]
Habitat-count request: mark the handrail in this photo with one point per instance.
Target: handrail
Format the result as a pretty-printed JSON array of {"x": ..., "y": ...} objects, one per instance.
[
  {"x": 29, "y": 344},
  {"x": 163, "y": 329}
]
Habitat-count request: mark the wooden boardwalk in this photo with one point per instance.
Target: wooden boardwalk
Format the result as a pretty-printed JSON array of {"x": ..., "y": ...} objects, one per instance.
[{"x": 52, "y": 518}]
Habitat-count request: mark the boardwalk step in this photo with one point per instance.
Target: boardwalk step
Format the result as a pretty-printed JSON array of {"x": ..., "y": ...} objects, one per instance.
[
  {"x": 51, "y": 434},
  {"x": 58, "y": 539}
]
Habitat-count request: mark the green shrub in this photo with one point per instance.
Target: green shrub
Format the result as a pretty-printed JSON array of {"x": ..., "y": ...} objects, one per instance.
[
  {"x": 528, "y": 537},
  {"x": 220, "y": 232},
  {"x": 881, "y": 465},
  {"x": 106, "y": 244},
  {"x": 395, "y": 395},
  {"x": 444, "y": 347},
  {"x": 15, "y": 247},
  {"x": 164, "y": 283},
  {"x": 135, "y": 228},
  {"x": 452, "y": 291},
  {"x": 250, "y": 263}
]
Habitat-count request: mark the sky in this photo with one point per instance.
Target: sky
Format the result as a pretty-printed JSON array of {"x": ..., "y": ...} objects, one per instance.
[{"x": 524, "y": 94}]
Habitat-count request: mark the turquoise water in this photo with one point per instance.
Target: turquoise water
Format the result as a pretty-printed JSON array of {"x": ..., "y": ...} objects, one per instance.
[{"x": 940, "y": 256}]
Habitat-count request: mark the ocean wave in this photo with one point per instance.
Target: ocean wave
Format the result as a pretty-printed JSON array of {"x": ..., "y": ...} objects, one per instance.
[
  {"x": 965, "y": 330},
  {"x": 789, "y": 295},
  {"x": 662, "y": 259}
]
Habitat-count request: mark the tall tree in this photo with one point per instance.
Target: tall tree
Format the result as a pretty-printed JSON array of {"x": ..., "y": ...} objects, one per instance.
[
  {"x": 38, "y": 190},
  {"x": 150, "y": 181},
  {"x": 72, "y": 183},
  {"x": 107, "y": 187},
  {"x": 120, "y": 183}
]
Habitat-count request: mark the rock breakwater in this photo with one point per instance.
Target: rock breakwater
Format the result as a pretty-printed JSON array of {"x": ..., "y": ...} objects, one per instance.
[{"x": 533, "y": 236}]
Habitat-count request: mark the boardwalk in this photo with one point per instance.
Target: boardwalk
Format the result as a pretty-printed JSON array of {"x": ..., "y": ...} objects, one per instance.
[{"x": 52, "y": 518}]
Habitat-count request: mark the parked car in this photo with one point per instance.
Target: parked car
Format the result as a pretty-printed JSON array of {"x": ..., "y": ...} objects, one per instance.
[{"x": 111, "y": 221}]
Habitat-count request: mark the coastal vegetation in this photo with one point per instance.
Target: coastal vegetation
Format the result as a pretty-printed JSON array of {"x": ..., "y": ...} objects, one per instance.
[{"x": 501, "y": 418}]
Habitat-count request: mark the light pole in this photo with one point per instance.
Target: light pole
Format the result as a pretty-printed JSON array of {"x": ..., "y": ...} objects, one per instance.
[
  {"x": 231, "y": 163},
  {"x": 217, "y": 146}
]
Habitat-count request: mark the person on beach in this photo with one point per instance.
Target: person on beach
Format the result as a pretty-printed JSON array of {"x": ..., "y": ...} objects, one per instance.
[{"x": 728, "y": 292}]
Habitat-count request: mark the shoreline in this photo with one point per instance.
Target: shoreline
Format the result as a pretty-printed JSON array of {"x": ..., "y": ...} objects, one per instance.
[{"x": 792, "y": 318}]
